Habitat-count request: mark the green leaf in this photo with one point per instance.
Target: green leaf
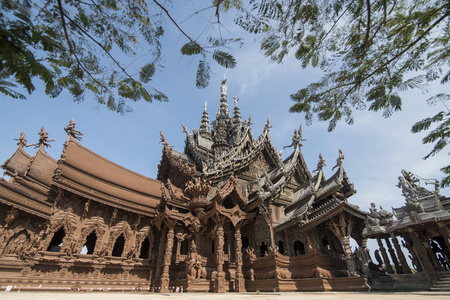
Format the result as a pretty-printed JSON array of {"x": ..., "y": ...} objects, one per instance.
[
  {"x": 147, "y": 72},
  {"x": 191, "y": 48},
  {"x": 224, "y": 59}
]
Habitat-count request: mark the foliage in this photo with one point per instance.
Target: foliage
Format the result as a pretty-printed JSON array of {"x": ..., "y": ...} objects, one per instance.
[
  {"x": 370, "y": 51},
  {"x": 75, "y": 45}
]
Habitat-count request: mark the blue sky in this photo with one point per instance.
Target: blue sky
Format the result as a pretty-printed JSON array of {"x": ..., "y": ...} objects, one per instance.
[{"x": 375, "y": 148}]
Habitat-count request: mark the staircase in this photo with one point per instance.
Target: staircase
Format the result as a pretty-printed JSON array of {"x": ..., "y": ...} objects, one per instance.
[{"x": 443, "y": 284}]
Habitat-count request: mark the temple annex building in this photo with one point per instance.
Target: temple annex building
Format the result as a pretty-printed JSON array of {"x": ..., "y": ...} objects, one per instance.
[{"x": 226, "y": 215}]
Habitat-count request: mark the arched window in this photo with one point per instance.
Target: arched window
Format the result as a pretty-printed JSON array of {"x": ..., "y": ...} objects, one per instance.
[
  {"x": 90, "y": 243},
  {"x": 56, "y": 242},
  {"x": 145, "y": 248},
  {"x": 263, "y": 249},
  {"x": 299, "y": 248},
  {"x": 118, "y": 246},
  {"x": 281, "y": 247}
]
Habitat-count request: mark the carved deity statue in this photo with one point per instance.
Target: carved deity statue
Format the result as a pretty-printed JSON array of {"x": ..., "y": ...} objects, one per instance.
[
  {"x": 267, "y": 125},
  {"x": 70, "y": 130}
]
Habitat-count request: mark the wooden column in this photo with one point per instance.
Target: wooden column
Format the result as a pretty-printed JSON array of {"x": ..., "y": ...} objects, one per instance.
[
  {"x": 387, "y": 263},
  {"x": 219, "y": 286},
  {"x": 432, "y": 255},
  {"x": 423, "y": 256},
  {"x": 160, "y": 259},
  {"x": 398, "y": 268},
  {"x": 343, "y": 230},
  {"x": 400, "y": 255},
  {"x": 443, "y": 230},
  {"x": 239, "y": 285},
  {"x": 167, "y": 258}
]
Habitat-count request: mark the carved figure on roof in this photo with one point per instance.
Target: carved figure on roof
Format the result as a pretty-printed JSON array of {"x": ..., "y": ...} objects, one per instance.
[
  {"x": 163, "y": 140},
  {"x": 320, "y": 165},
  {"x": 408, "y": 191},
  {"x": 267, "y": 125},
  {"x": 70, "y": 130},
  {"x": 43, "y": 139},
  {"x": 184, "y": 129},
  {"x": 249, "y": 121},
  {"x": 339, "y": 160},
  {"x": 385, "y": 217},
  {"x": 223, "y": 87},
  {"x": 22, "y": 141},
  {"x": 11, "y": 216},
  {"x": 373, "y": 218},
  {"x": 436, "y": 184}
]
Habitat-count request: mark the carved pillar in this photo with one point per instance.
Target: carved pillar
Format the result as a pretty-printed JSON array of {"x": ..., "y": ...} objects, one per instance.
[
  {"x": 343, "y": 230},
  {"x": 160, "y": 258},
  {"x": 364, "y": 254},
  {"x": 393, "y": 256},
  {"x": 417, "y": 264},
  {"x": 443, "y": 230},
  {"x": 423, "y": 256},
  {"x": 239, "y": 285},
  {"x": 400, "y": 255},
  {"x": 432, "y": 256},
  {"x": 386, "y": 260},
  {"x": 219, "y": 286},
  {"x": 167, "y": 258}
]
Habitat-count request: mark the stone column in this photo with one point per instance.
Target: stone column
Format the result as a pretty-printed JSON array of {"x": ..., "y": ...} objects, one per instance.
[
  {"x": 167, "y": 259},
  {"x": 401, "y": 256},
  {"x": 239, "y": 285},
  {"x": 219, "y": 286},
  {"x": 393, "y": 256},
  {"x": 387, "y": 263},
  {"x": 423, "y": 256}
]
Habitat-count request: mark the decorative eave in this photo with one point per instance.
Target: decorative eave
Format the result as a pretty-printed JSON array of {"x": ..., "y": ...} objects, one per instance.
[
  {"x": 324, "y": 216},
  {"x": 230, "y": 189},
  {"x": 234, "y": 214},
  {"x": 15, "y": 196}
]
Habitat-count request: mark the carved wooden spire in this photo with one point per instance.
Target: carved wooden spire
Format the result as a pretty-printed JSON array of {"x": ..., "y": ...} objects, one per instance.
[
  {"x": 204, "y": 124},
  {"x": 222, "y": 121}
]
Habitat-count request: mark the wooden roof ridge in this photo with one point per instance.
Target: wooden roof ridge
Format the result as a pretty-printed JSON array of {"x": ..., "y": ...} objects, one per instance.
[{"x": 41, "y": 168}]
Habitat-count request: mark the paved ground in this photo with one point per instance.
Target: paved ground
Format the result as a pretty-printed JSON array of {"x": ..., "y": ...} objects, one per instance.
[{"x": 227, "y": 296}]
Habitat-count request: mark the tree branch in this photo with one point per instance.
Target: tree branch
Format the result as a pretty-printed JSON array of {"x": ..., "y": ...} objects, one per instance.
[
  {"x": 175, "y": 23},
  {"x": 100, "y": 45}
]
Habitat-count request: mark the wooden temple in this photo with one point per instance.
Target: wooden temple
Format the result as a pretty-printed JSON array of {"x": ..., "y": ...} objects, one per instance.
[{"x": 226, "y": 215}]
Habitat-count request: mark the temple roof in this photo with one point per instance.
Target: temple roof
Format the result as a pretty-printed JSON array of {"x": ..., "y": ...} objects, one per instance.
[{"x": 90, "y": 175}]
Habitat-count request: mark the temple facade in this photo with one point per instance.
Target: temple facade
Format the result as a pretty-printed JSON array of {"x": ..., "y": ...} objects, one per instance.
[{"x": 227, "y": 214}]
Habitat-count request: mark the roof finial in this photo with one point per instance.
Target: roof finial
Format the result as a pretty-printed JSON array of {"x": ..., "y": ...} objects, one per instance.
[
  {"x": 185, "y": 130},
  {"x": 339, "y": 160},
  {"x": 22, "y": 141},
  {"x": 236, "y": 99},
  {"x": 43, "y": 139},
  {"x": 204, "y": 106},
  {"x": 320, "y": 165},
  {"x": 267, "y": 126},
  {"x": 71, "y": 131}
]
